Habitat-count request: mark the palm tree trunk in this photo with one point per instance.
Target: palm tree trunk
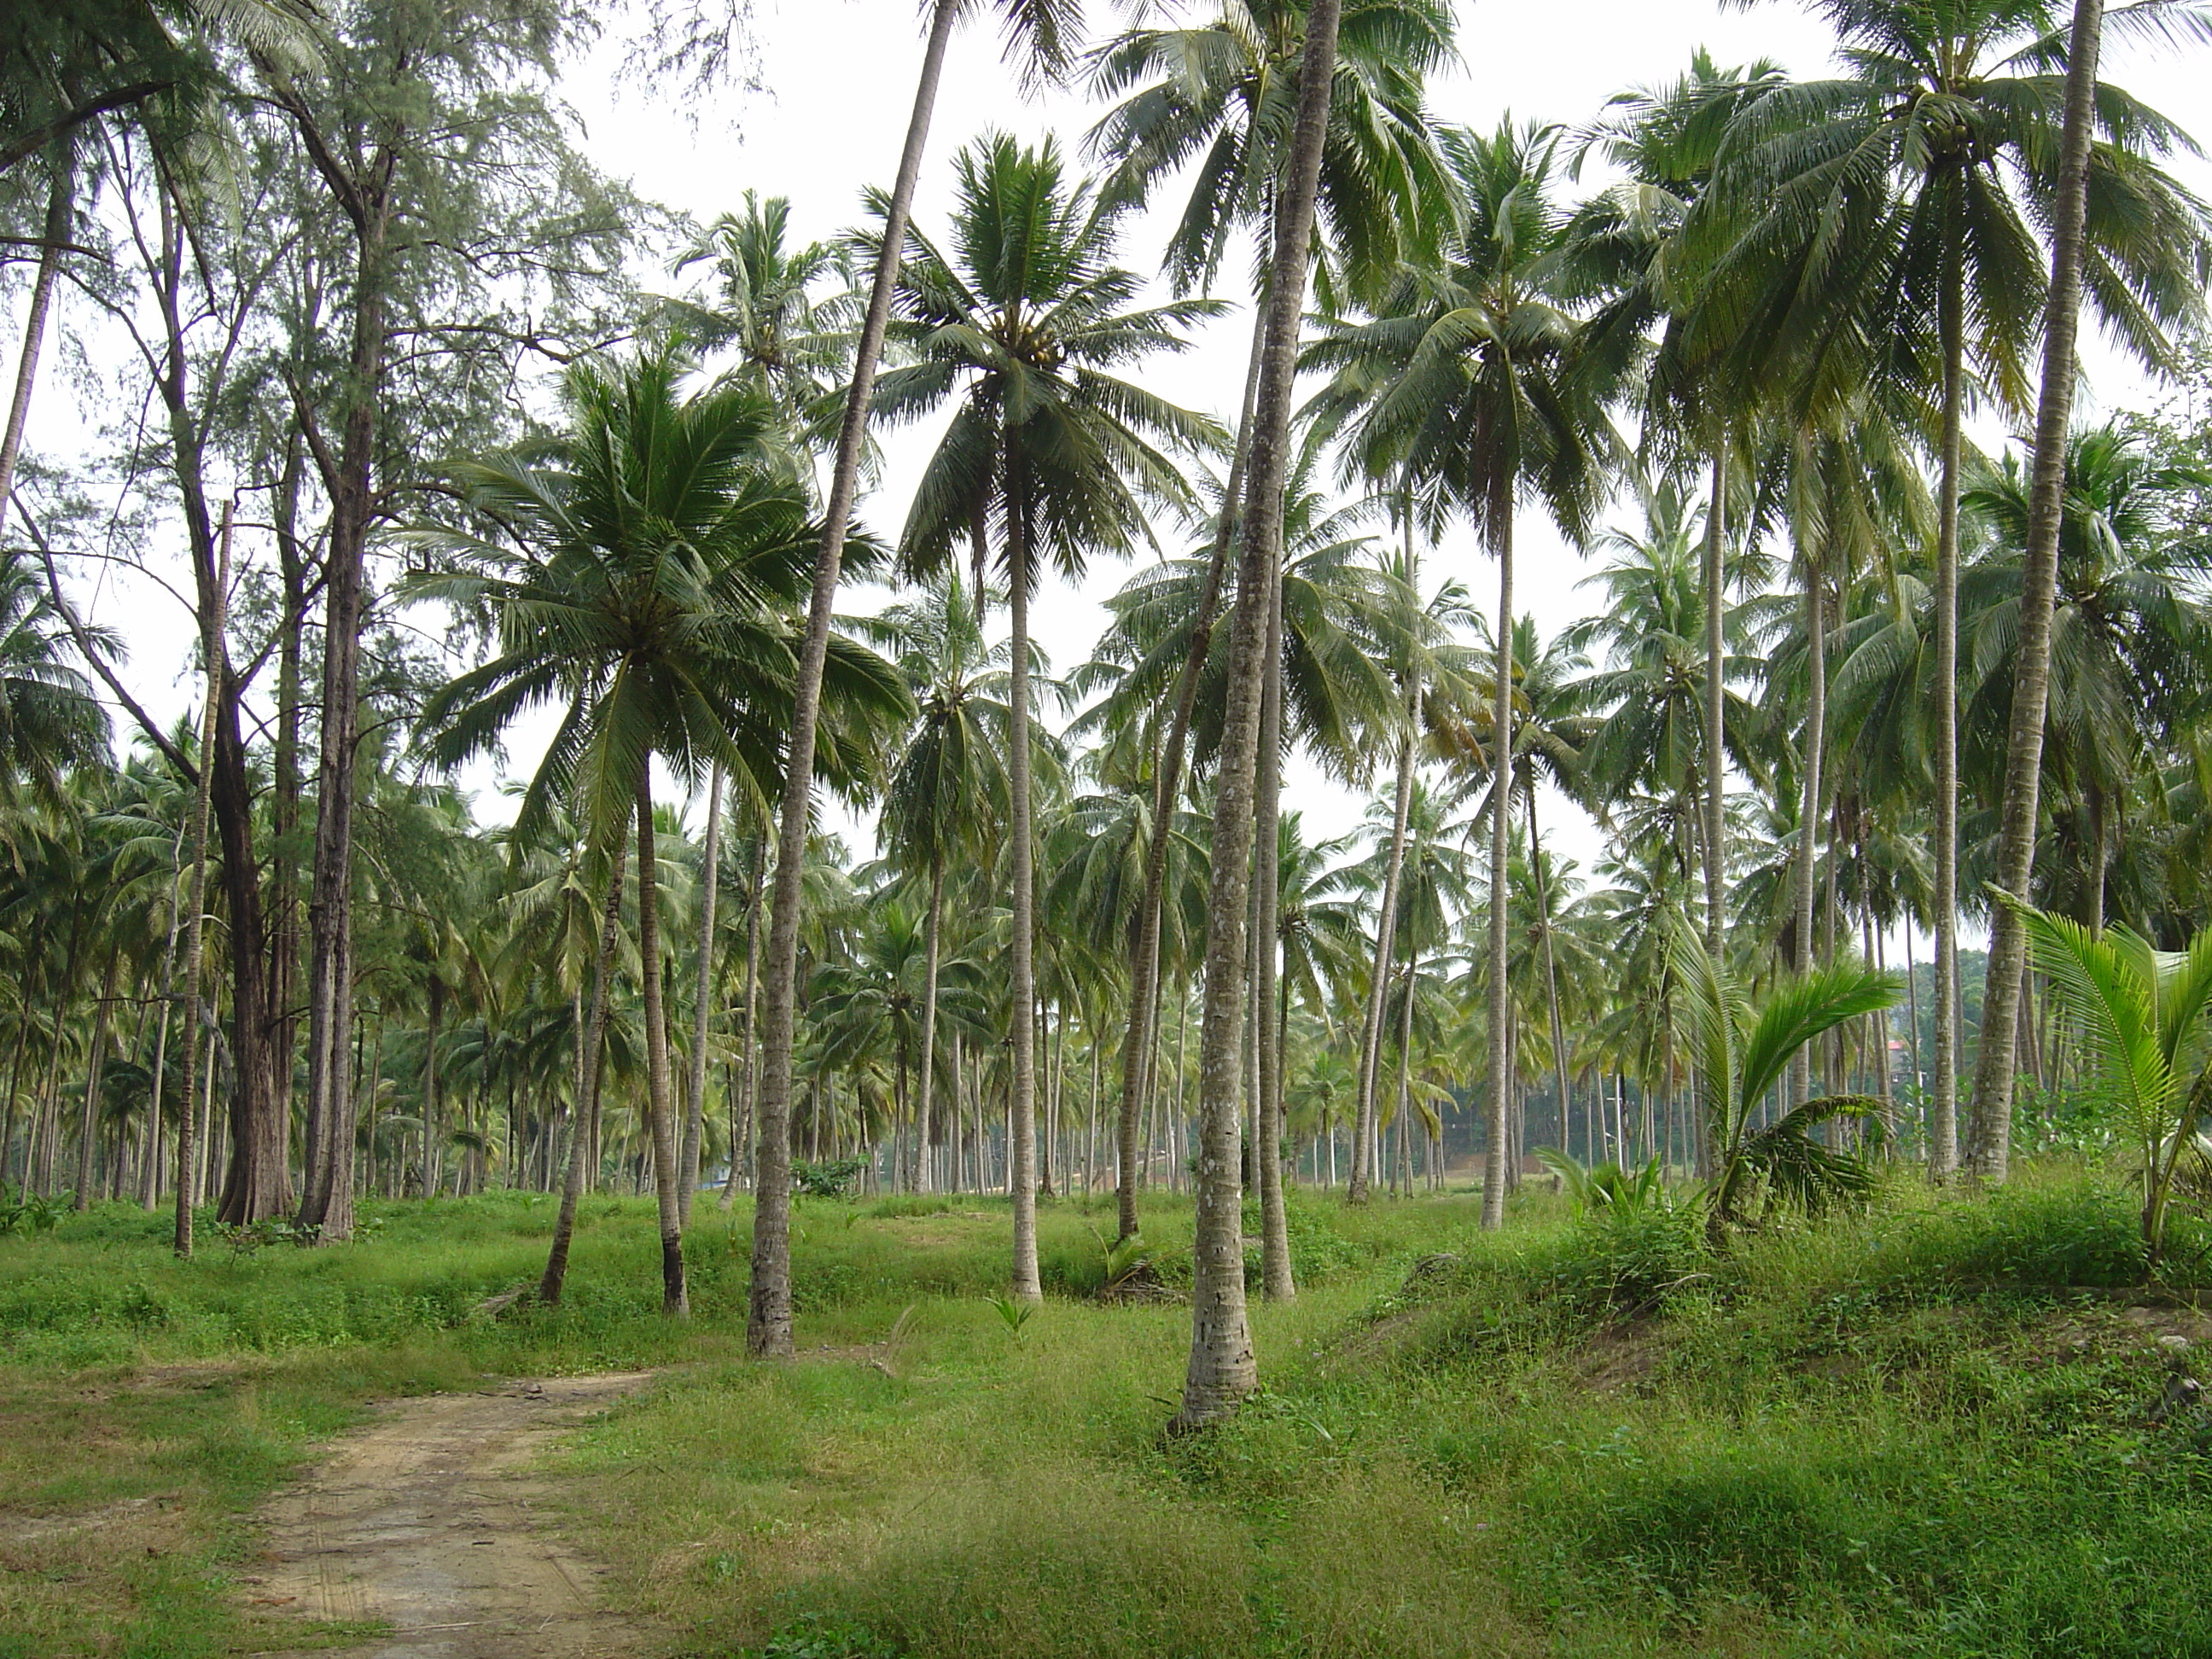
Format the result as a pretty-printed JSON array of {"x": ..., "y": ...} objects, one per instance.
[
  {"x": 437, "y": 1008},
  {"x": 768, "y": 1321},
  {"x": 211, "y": 648},
  {"x": 590, "y": 1067},
  {"x": 1501, "y": 1005},
  {"x": 1809, "y": 817},
  {"x": 1137, "y": 1046},
  {"x": 88, "y": 1123},
  {"x": 1222, "y": 1369},
  {"x": 694, "y": 1094},
  {"x": 1277, "y": 1283},
  {"x": 1995, "y": 1062},
  {"x": 149, "y": 1176},
  {"x": 932, "y": 944},
  {"x": 1386, "y": 922},
  {"x": 60, "y": 192},
  {"x": 1022, "y": 963},
  {"x": 1943, "y": 1158},
  {"x": 1551, "y": 967},
  {"x": 741, "y": 1116},
  {"x": 675, "y": 1301},
  {"x": 1715, "y": 585}
]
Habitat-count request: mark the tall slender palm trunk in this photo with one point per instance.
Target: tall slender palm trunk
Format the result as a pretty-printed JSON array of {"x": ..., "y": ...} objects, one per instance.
[
  {"x": 932, "y": 947},
  {"x": 584, "y": 1114},
  {"x": 88, "y": 1119},
  {"x": 1277, "y": 1282},
  {"x": 675, "y": 1298},
  {"x": 1223, "y": 1369},
  {"x": 211, "y": 647},
  {"x": 1715, "y": 585},
  {"x": 1809, "y": 819},
  {"x": 1551, "y": 967},
  {"x": 1944, "y": 1150},
  {"x": 1021, "y": 860},
  {"x": 703, "y": 1003},
  {"x": 768, "y": 1321},
  {"x": 1997, "y": 1062},
  {"x": 1378, "y": 985},
  {"x": 1137, "y": 1045},
  {"x": 1495, "y": 1163},
  {"x": 741, "y": 1111}
]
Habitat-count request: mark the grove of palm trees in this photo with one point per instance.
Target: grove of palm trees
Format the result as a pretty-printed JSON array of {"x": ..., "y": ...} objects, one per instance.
[{"x": 1254, "y": 861}]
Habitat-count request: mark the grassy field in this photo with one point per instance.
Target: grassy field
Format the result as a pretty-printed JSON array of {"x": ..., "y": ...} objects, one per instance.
[{"x": 1931, "y": 1429}]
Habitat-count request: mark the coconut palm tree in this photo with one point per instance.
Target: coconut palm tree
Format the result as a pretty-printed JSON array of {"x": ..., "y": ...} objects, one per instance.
[
  {"x": 947, "y": 790},
  {"x": 2074, "y": 240},
  {"x": 2142, "y": 1014},
  {"x": 1742, "y": 1047},
  {"x": 1625, "y": 250},
  {"x": 1228, "y": 88},
  {"x": 2130, "y": 626},
  {"x": 641, "y": 577},
  {"x": 1876, "y": 232},
  {"x": 50, "y": 724},
  {"x": 1018, "y": 323},
  {"x": 763, "y": 308},
  {"x": 1222, "y": 1369},
  {"x": 1472, "y": 377},
  {"x": 1040, "y": 38},
  {"x": 1649, "y": 694}
]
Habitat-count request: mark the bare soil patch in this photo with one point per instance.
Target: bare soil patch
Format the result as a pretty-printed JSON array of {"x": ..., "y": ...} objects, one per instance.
[{"x": 431, "y": 1522}]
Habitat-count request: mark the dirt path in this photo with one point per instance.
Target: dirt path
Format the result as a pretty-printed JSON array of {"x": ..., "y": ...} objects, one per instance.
[{"x": 426, "y": 1520}]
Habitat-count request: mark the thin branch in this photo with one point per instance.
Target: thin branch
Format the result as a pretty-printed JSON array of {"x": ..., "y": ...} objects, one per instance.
[{"x": 99, "y": 664}]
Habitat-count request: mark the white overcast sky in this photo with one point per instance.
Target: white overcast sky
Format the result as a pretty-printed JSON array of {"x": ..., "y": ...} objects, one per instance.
[{"x": 836, "y": 80}]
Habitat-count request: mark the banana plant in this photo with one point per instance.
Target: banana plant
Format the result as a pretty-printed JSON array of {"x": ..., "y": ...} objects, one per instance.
[
  {"x": 2145, "y": 1018},
  {"x": 1742, "y": 1049}
]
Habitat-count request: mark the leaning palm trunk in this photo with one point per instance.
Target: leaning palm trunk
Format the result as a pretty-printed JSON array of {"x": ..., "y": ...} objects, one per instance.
[
  {"x": 1222, "y": 1369},
  {"x": 584, "y": 1115},
  {"x": 1991, "y": 1135},
  {"x": 1943, "y": 1152},
  {"x": 675, "y": 1300},
  {"x": 1495, "y": 1163},
  {"x": 768, "y": 1321},
  {"x": 1386, "y": 922},
  {"x": 56, "y": 229},
  {"x": 694, "y": 1094},
  {"x": 1022, "y": 1018},
  {"x": 1167, "y": 784}
]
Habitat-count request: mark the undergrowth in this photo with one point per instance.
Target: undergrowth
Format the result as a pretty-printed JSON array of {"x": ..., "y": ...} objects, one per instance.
[{"x": 1932, "y": 1427}]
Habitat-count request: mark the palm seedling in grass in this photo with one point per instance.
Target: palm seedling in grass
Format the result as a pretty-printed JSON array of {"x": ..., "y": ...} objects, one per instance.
[
  {"x": 2145, "y": 1020},
  {"x": 1608, "y": 1188},
  {"x": 1742, "y": 1047},
  {"x": 1013, "y": 1313}
]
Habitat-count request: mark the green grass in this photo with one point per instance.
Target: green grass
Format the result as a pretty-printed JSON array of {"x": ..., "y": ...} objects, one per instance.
[{"x": 1926, "y": 1430}]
